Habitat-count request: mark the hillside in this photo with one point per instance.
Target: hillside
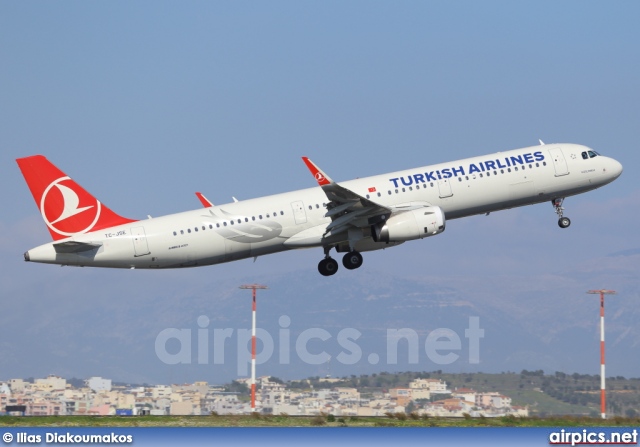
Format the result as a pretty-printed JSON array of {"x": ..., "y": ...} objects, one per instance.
[{"x": 544, "y": 395}]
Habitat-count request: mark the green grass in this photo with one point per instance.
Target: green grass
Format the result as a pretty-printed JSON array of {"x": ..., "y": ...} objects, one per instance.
[{"x": 305, "y": 421}]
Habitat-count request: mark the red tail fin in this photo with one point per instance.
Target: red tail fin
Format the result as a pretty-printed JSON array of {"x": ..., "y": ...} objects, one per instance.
[{"x": 66, "y": 207}]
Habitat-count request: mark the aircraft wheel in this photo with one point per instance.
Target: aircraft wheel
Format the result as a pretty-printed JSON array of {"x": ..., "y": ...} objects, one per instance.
[
  {"x": 352, "y": 260},
  {"x": 328, "y": 267},
  {"x": 564, "y": 222}
]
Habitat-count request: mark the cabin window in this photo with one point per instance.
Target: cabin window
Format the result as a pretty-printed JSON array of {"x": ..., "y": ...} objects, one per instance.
[
  {"x": 488, "y": 174},
  {"x": 459, "y": 179},
  {"x": 246, "y": 219},
  {"x": 181, "y": 231},
  {"x": 367, "y": 196},
  {"x": 537, "y": 165},
  {"x": 253, "y": 217},
  {"x": 282, "y": 213},
  {"x": 189, "y": 230},
  {"x": 516, "y": 168},
  {"x": 403, "y": 190},
  {"x": 224, "y": 223},
  {"x": 481, "y": 175},
  {"x": 175, "y": 234},
  {"x": 389, "y": 192},
  {"x": 260, "y": 216},
  {"x": 530, "y": 166},
  {"x": 317, "y": 206},
  {"x": 310, "y": 207},
  {"x": 431, "y": 184},
  {"x": 196, "y": 229},
  {"x": 544, "y": 163},
  {"x": 379, "y": 195},
  {"x": 231, "y": 222},
  {"x": 210, "y": 227}
]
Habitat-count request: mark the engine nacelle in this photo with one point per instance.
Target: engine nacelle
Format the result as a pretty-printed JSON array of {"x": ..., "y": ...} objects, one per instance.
[{"x": 410, "y": 225}]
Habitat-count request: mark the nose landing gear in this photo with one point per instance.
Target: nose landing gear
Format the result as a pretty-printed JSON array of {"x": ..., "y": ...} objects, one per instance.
[{"x": 563, "y": 222}]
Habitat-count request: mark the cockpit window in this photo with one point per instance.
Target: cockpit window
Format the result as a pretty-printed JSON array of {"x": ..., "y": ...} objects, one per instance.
[
  {"x": 585, "y": 156},
  {"x": 593, "y": 154}
]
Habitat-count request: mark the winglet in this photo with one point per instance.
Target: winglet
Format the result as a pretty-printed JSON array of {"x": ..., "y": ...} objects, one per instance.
[
  {"x": 205, "y": 202},
  {"x": 322, "y": 178}
]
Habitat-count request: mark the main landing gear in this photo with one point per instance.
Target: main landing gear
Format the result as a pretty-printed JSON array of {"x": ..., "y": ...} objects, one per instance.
[
  {"x": 563, "y": 222},
  {"x": 352, "y": 260},
  {"x": 329, "y": 266}
]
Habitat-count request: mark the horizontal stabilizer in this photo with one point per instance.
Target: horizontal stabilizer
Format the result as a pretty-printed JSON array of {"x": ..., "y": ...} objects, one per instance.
[{"x": 75, "y": 247}]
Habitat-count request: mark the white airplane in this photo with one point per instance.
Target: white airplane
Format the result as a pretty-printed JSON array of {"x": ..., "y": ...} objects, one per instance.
[{"x": 354, "y": 216}]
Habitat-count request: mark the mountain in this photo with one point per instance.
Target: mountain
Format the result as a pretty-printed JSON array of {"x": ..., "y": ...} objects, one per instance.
[{"x": 110, "y": 323}]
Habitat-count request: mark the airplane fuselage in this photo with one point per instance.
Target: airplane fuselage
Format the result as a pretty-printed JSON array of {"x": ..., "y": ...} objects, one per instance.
[{"x": 292, "y": 220}]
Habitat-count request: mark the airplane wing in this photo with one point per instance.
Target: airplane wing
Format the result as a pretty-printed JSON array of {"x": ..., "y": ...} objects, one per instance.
[{"x": 346, "y": 208}]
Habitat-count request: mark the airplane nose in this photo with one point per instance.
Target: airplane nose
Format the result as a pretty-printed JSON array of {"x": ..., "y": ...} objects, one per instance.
[{"x": 616, "y": 168}]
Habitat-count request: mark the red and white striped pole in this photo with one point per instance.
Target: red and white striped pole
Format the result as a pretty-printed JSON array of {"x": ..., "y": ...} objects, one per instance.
[
  {"x": 253, "y": 287},
  {"x": 603, "y": 398}
]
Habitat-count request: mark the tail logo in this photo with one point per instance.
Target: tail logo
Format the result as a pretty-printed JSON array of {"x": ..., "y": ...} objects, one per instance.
[
  {"x": 319, "y": 177},
  {"x": 67, "y": 209}
]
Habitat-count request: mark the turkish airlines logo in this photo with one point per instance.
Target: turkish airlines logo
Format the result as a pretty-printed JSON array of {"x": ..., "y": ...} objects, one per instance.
[
  {"x": 67, "y": 209},
  {"x": 319, "y": 177}
]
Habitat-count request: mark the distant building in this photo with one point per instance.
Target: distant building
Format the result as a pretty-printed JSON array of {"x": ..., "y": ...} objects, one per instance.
[
  {"x": 51, "y": 383},
  {"x": 98, "y": 384},
  {"x": 400, "y": 396},
  {"x": 466, "y": 394},
  {"x": 16, "y": 385},
  {"x": 5, "y": 389},
  {"x": 185, "y": 408},
  {"x": 423, "y": 388}
]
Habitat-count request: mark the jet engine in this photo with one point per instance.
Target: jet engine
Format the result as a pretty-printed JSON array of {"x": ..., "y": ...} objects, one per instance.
[{"x": 410, "y": 225}]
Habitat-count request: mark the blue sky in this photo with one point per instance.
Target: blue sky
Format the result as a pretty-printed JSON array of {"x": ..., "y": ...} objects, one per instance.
[{"x": 144, "y": 103}]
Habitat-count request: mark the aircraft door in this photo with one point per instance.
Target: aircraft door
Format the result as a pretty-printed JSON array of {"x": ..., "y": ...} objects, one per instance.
[
  {"x": 140, "y": 245},
  {"x": 444, "y": 186},
  {"x": 559, "y": 162},
  {"x": 299, "y": 213}
]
